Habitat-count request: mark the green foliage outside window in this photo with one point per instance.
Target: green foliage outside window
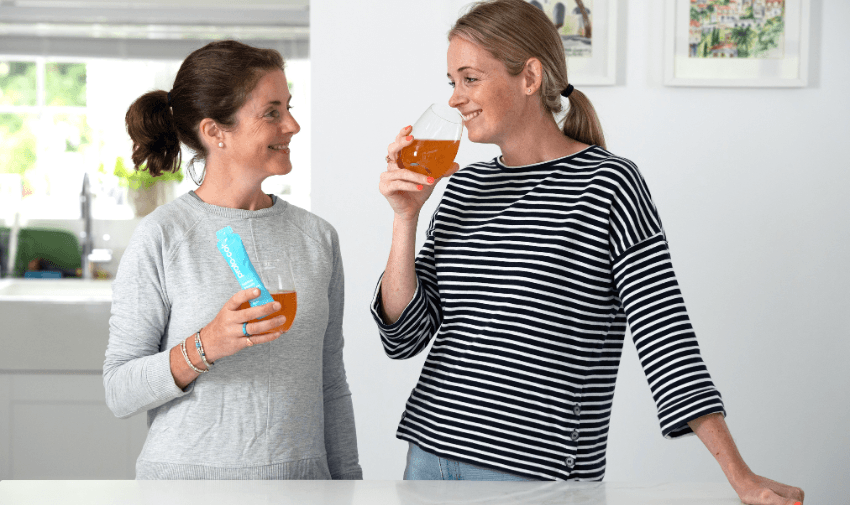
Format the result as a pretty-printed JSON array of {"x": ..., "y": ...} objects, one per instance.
[
  {"x": 17, "y": 83},
  {"x": 17, "y": 143},
  {"x": 65, "y": 84},
  {"x": 71, "y": 132}
]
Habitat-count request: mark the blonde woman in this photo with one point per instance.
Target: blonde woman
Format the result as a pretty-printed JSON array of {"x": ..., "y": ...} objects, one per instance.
[{"x": 534, "y": 264}]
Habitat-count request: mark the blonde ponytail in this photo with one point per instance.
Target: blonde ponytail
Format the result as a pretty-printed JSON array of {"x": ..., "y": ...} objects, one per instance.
[{"x": 582, "y": 123}]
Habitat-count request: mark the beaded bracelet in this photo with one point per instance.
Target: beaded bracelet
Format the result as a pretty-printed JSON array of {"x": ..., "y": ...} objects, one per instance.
[
  {"x": 200, "y": 347},
  {"x": 183, "y": 348}
]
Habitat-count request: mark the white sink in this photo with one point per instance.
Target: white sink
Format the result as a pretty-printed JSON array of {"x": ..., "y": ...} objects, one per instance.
[
  {"x": 56, "y": 290},
  {"x": 54, "y": 324}
]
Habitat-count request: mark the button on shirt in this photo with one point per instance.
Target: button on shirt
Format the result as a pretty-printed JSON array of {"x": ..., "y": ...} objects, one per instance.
[{"x": 526, "y": 282}]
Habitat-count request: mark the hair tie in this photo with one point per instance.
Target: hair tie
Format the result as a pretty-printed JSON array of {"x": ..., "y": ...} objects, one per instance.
[
  {"x": 169, "y": 98},
  {"x": 567, "y": 91}
]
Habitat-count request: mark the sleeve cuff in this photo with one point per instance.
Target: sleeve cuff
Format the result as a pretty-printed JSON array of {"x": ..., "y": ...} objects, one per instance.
[
  {"x": 675, "y": 424},
  {"x": 378, "y": 307},
  {"x": 160, "y": 380}
]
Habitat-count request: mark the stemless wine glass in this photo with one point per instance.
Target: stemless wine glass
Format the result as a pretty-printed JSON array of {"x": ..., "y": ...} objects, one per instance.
[
  {"x": 436, "y": 138},
  {"x": 276, "y": 275}
]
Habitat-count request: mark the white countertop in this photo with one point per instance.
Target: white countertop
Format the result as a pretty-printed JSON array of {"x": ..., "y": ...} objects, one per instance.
[
  {"x": 56, "y": 290},
  {"x": 15, "y": 492}
]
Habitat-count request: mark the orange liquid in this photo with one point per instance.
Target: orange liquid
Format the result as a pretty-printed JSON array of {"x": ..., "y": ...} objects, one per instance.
[
  {"x": 431, "y": 157},
  {"x": 288, "y": 305}
]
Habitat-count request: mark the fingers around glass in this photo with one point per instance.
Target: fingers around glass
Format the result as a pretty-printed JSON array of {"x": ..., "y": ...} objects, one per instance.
[
  {"x": 265, "y": 325},
  {"x": 257, "y": 312},
  {"x": 404, "y": 132},
  {"x": 395, "y": 148},
  {"x": 265, "y": 330},
  {"x": 409, "y": 176}
]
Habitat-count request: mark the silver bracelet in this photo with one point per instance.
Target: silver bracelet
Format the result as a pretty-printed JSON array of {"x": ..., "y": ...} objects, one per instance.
[
  {"x": 183, "y": 348},
  {"x": 200, "y": 347}
]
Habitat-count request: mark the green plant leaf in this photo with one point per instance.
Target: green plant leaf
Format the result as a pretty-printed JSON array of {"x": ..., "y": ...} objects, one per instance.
[{"x": 141, "y": 178}]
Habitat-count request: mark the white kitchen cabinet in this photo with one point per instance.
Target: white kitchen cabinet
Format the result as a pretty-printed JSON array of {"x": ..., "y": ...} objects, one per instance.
[
  {"x": 54, "y": 423},
  {"x": 58, "y": 427}
]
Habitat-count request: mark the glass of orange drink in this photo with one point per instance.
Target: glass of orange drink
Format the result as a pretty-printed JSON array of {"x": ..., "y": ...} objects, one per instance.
[
  {"x": 276, "y": 275},
  {"x": 436, "y": 138}
]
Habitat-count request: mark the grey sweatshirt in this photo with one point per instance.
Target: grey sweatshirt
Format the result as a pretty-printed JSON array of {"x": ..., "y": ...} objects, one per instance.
[{"x": 280, "y": 410}]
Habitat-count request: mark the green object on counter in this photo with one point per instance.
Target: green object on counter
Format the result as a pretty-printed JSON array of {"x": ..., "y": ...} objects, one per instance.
[
  {"x": 5, "y": 234},
  {"x": 58, "y": 247},
  {"x": 135, "y": 179}
]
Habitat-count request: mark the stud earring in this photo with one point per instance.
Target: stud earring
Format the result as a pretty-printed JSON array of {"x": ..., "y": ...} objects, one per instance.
[
  {"x": 221, "y": 144},
  {"x": 529, "y": 91}
]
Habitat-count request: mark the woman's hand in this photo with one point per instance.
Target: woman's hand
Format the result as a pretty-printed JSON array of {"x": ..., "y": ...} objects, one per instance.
[
  {"x": 751, "y": 488},
  {"x": 757, "y": 490},
  {"x": 404, "y": 189},
  {"x": 223, "y": 335}
]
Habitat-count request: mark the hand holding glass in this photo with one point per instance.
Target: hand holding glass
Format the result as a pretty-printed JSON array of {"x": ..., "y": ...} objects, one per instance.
[
  {"x": 277, "y": 277},
  {"x": 436, "y": 138}
]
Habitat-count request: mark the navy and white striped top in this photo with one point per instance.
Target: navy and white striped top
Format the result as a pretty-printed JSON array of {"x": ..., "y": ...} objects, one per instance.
[{"x": 528, "y": 277}]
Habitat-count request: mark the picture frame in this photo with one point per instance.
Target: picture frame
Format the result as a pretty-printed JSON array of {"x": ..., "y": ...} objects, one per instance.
[
  {"x": 599, "y": 67},
  {"x": 785, "y": 64}
]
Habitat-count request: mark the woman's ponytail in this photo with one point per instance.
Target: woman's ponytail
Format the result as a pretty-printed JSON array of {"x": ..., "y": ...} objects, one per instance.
[
  {"x": 582, "y": 123},
  {"x": 153, "y": 131}
]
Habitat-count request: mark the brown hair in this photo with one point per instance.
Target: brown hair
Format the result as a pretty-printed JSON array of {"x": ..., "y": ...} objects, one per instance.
[
  {"x": 213, "y": 82},
  {"x": 514, "y": 31}
]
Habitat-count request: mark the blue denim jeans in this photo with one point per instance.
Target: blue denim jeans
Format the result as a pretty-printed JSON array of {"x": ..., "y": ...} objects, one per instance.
[{"x": 422, "y": 465}]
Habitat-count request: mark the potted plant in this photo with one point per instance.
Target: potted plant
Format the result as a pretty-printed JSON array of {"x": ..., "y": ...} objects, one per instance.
[{"x": 144, "y": 192}]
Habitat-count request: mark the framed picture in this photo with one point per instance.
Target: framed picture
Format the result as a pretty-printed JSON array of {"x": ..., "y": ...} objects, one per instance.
[
  {"x": 757, "y": 43},
  {"x": 588, "y": 29}
]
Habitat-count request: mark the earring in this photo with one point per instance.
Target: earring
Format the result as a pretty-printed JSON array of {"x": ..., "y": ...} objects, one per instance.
[
  {"x": 529, "y": 91},
  {"x": 221, "y": 144}
]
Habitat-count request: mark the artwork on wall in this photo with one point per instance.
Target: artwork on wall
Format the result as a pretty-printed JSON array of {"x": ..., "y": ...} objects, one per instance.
[
  {"x": 737, "y": 43},
  {"x": 589, "y": 33}
]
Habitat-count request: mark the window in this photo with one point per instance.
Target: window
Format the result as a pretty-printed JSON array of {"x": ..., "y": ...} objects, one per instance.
[
  {"x": 61, "y": 118},
  {"x": 45, "y": 138}
]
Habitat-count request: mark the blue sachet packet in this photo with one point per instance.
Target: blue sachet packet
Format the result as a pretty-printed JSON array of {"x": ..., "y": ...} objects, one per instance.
[{"x": 231, "y": 247}]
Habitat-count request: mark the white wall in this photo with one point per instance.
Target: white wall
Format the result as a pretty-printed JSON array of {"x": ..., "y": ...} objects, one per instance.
[{"x": 750, "y": 184}]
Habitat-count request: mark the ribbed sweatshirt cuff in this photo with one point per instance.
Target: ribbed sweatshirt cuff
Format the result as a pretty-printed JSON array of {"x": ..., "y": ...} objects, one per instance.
[{"x": 161, "y": 381}]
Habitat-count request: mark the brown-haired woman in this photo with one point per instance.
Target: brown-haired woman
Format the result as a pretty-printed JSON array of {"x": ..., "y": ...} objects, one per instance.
[
  {"x": 533, "y": 264},
  {"x": 226, "y": 398}
]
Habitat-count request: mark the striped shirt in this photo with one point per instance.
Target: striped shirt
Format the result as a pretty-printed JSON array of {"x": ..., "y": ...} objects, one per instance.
[{"x": 527, "y": 278}]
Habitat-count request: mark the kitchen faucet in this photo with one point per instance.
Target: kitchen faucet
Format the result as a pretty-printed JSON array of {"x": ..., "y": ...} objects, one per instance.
[
  {"x": 89, "y": 254},
  {"x": 85, "y": 235}
]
